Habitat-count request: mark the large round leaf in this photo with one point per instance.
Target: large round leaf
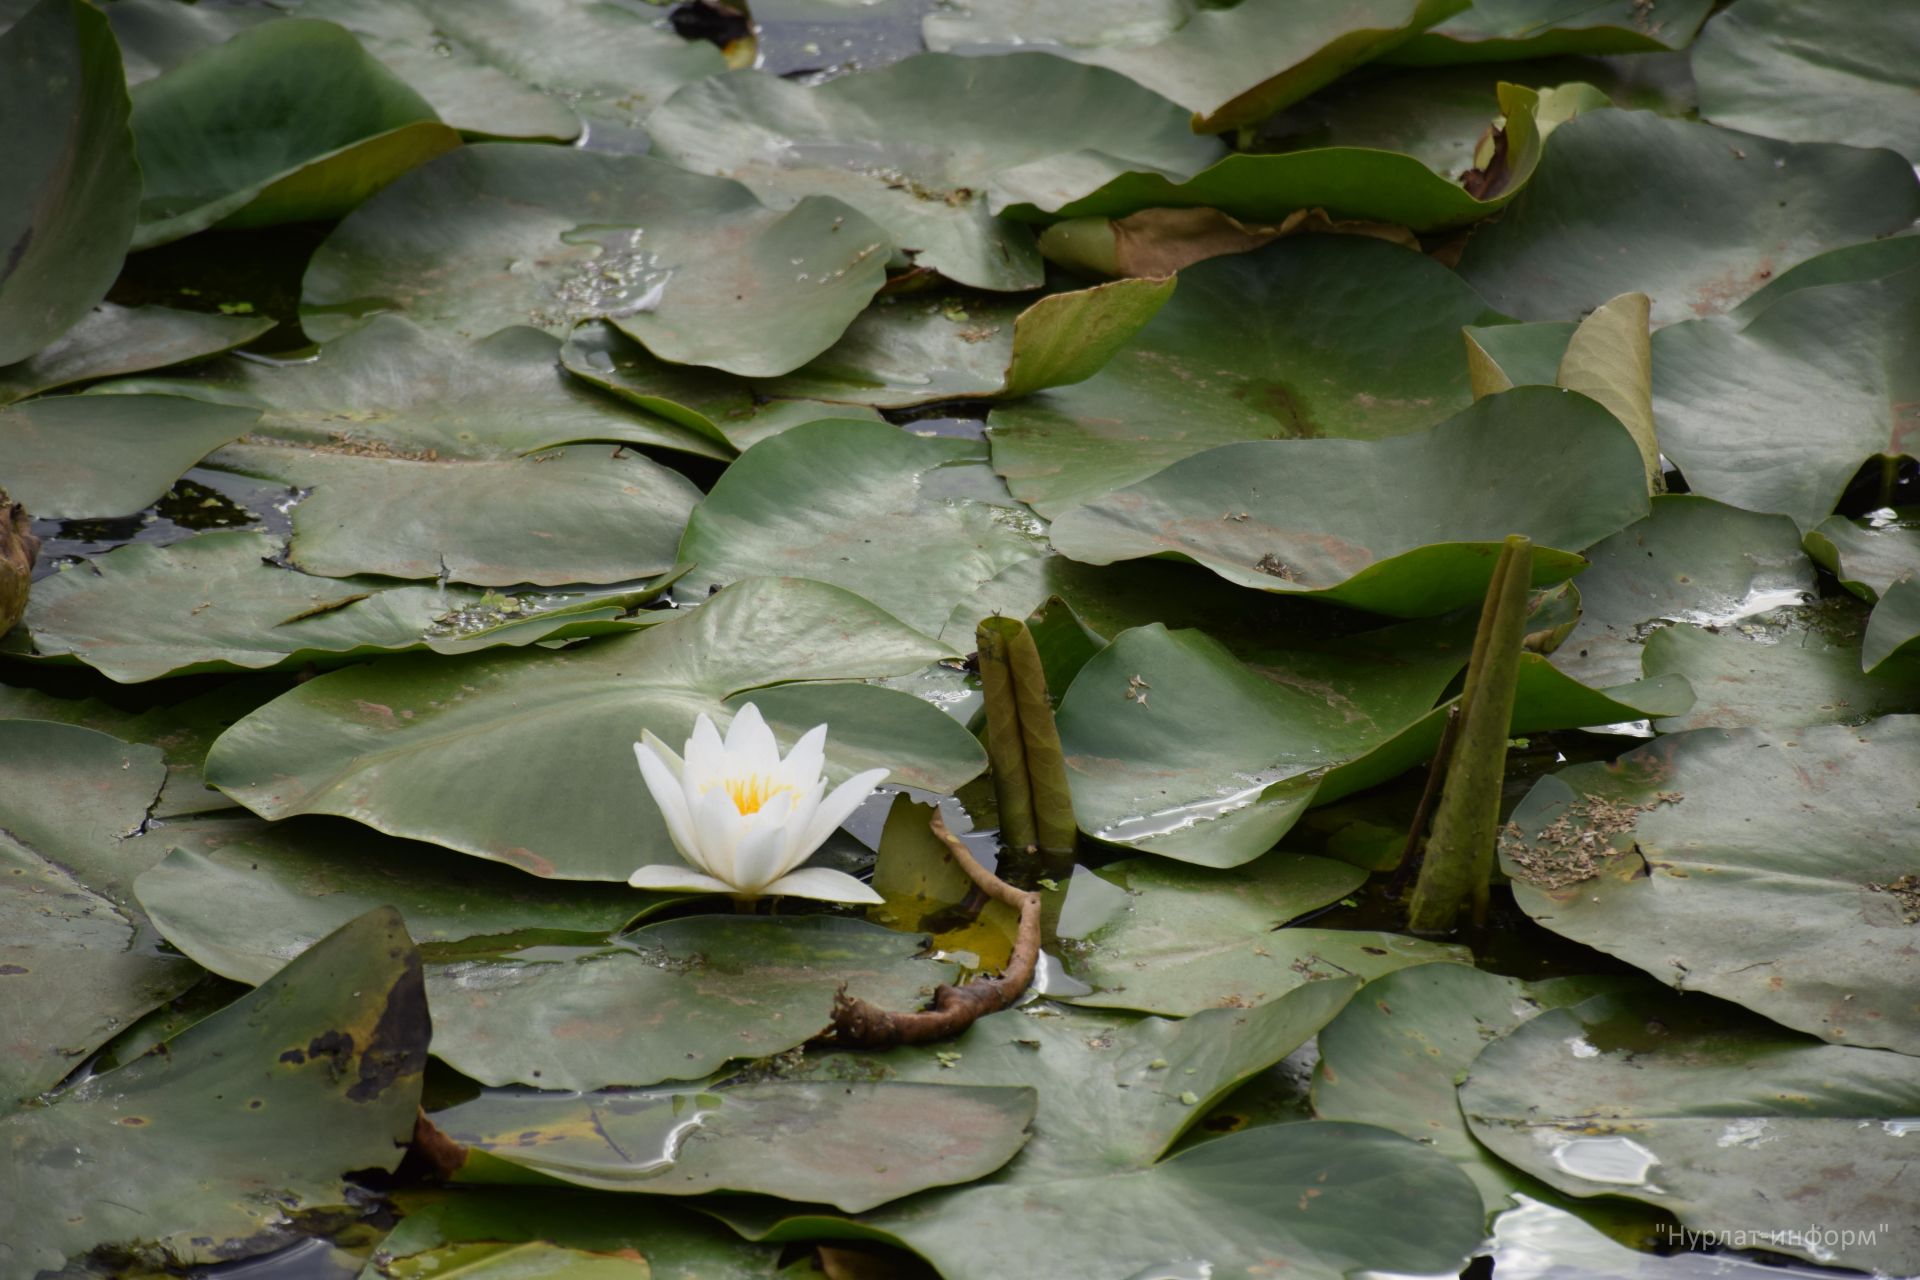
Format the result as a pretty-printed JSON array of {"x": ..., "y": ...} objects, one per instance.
[
  {"x": 222, "y": 601},
  {"x": 1844, "y": 73},
  {"x": 70, "y": 456},
  {"x": 1311, "y": 336},
  {"x": 885, "y": 143},
  {"x": 186, "y": 1150},
  {"x": 73, "y": 190},
  {"x": 692, "y": 266},
  {"x": 1398, "y": 1050},
  {"x": 391, "y": 386},
  {"x": 1667, "y": 857},
  {"x": 537, "y": 69},
  {"x": 79, "y": 961},
  {"x": 1719, "y": 215},
  {"x": 244, "y": 897},
  {"x": 1731, "y": 1124},
  {"x": 853, "y": 1146},
  {"x": 1189, "y": 938},
  {"x": 112, "y": 339},
  {"x": 676, "y": 1000},
  {"x": 1774, "y": 409},
  {"x": 1492, "y": 30},
  {"x": 1780, "y": 677},
  {"x": 913, "y": 524},
  {"x": 285, "y": 122},
  {"x": 1338, "y": 518},
  {"x": 1229, "y": 66},
  {"x": 528, "y": 758}
]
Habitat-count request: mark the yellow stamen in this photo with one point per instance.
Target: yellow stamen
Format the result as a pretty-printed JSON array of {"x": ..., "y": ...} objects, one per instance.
[{"x": 752, "y": 792}]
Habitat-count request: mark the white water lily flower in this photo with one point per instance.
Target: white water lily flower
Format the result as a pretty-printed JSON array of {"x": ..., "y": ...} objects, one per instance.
[{"x": 743, "y": 818}]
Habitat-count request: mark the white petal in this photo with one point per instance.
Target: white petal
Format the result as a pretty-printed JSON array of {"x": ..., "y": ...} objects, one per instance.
[
  {"x": 824, "y": 884},
  {"x": 706, "y": 756},
  {"x": 670, "y": 797},
  {"x": 839, "y": 806},
  {"x": 760, "y": 858},
  {"x": 749, "y": 740},
  {"x": 667, "y": 755},
  {"x": 804, "y": 763},
  {"x": 806, "y": 803},
  {"x": 718, "y": 827},
  {"x": 671, "y": 879}
]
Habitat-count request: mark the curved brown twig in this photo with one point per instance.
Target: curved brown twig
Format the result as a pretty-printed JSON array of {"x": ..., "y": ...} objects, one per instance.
[{"x": 859, "y": 1025}]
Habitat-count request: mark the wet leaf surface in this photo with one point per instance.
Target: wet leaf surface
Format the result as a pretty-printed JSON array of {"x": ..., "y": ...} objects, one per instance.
[{"x": 112, "y": 339}]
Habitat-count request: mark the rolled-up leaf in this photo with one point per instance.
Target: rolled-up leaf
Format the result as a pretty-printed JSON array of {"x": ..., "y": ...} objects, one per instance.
[
  {"x": 18, "y": 549},
  {"x": 1022, "y": 734},
  {"x": 1006, "y": 748}
]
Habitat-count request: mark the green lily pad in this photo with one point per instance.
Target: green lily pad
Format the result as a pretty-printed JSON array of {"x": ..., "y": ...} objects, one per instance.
[
  {"x": 1893, "y": 629},
  {"x": 1844, "y": 74},
  {"x": 1496, "y": 29},
  {"x": 1722, "y": 214},
  {"x": 73, "y": 192},
  {"x": 1867, "y": 556},
  {"x": 244, "y": 897},
  {"x": 884, "y": 142},
  {"x": 1192, "y": 938},
  {"x": 1668, "y": 856},
  {"x": 55, "y": 447},
  {"x": 527, "y": 758},
  {"x": 1709, "y": 1114},
  {"x": 1092, "y": 1194},
  {"x": 393, "y": 386},
  {"x": 79, "y": 961},
  {"x": 1395, "y": 1054},
  {"x": 186, "y": 1151},
  {"x": 912, "y": 523},
  {"x": 1741, "y": 682},
  {"x": 442, "y": 1228},
  {"x": 1339, "y": 520},
  {"x": 1311, "y": 336},
  {"x": 533, "y": 69},
  {"x": 221, "y": 601},
  {"x": 676, "y": 1000},
  {"x": 1692, "y": 560},
  {"x": 690, "y": 265},
  {"x": 1229, "y": 66},
  {"x": 286, "y": 121},
  {"x": 854, "y": 1146},
  {"x": 1369, "y": 183},
  {"x": 111, "y": 340},
  {"x": 1776, "y": 410}
]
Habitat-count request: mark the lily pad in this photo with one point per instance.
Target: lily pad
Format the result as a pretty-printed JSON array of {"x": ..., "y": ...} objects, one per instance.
[
  {"x": 1775, "y": 411},
  {"x": 1116, "y": 1092},
  {"x": 221, "y": 602},
  {"x": 391, "y": 386},
  {"x": 286, "y": 121},
  {"x": 1867, "y": 556},
  {"x": 158, "y": 35},
  {"x": 186, "y": 1151},
  {"x": 884, "y": 142},
  {"x": 676, "y": 1000},
  {"x": 1374, "y": 184},
  {"x": 1229, "y": 66},
  {"x": 1708, "y": 1113},
  {"x": 854, "y": 1146},
  {"x": 79, "y": 962},
  {"x": 73, "y": 192},
  {"x": 1395, "y": 1054},
  {"x": 1893, "y": 628},
  {"x": 1337, "y": 518},
  {"x": 1667, "y": 856},
  {"x": 692, "y": 266},
  {"x": 1691, "y": 561},
  {"x": 532, "y": 69},
  {"x": 244, "y": 897},
  {"x": 1760, "y": 682},
  {"x": 70, "y": 456},
  {"x": 1492, "y": 30},
  {"x": 527, "y": 758},
  {"x": 112, "y": 339},
  {"x": 1191, "y": 938},
  {"x": 1723, "y": 213},
  {"x": 1844, "y": 74},
  {"x": 1311, "y": 336},
  {"x": 913, "y": 524}
]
